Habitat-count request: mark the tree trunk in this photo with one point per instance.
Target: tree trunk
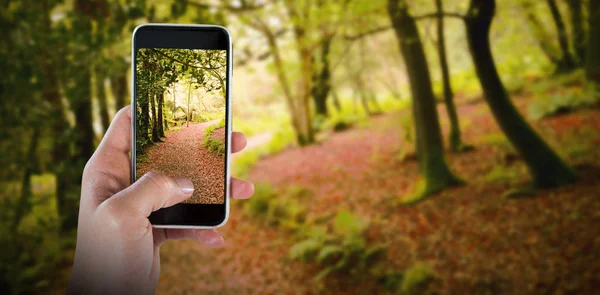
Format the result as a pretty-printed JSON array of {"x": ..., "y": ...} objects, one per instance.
[
  {"x": 160, "y": 125},
  {"x": 187, "y": 114},
  {"x": 578, "y": 28},
  {"x": 454, "y": 137},
  {"x": 118, "y": 84},
  {"x": 543, "y": 38},
  {"x": 547, "y": 169},
  {"x": 429, "y": 144},
  {"x": 593, "y": 50},
  {"x": 291, "y": 102},
  {"x": 155, "y": 123},
  {"x": 567, "y": 62},
  {"x": 174, "y": 102},
  {"x": 301, "y": 20},
  {"x": 306, "y": 136},
  {"x": 119, "y": 88},
  {"x": 67, "y": 189},
  {"x": 101, "y": 96},
  {"x": 81, "y": 104},
  {"x": 23, "y": 205},
  {"x": 144, "y": 105},
  {"x": 322, "y": 80}
]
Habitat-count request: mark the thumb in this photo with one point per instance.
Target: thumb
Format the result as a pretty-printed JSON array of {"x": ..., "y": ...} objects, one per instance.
[{"x": 151, "y": 192}]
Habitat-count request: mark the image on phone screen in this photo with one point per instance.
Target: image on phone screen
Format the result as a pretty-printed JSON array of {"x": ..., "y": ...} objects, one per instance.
[{"x": 180, "y": 122}]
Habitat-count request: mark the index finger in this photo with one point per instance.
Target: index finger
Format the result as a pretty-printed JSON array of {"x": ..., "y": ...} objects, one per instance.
[{"x": 108, "y": 170}]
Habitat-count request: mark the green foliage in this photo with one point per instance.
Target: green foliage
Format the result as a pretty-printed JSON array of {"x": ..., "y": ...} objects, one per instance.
[
  {"x": 214, "y": 145},
  {"x": 554, "y": 83},
  {"x": 278, "y": 209},
  {"x": 568, "y": 100},
  {"x": 33, "y": 252},
  {"x": 342, "y": 249},
  {"x": 415, "y": 278},
  {"x": 501, "y": 173},
  {"x": 339, "y": 122},
  {"x": 499, "y": 141},
  {"x": 412, "y": 281}
]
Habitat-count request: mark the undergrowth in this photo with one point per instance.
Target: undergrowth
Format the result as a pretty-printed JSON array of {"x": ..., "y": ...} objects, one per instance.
[{"x": 212, "y": 144}]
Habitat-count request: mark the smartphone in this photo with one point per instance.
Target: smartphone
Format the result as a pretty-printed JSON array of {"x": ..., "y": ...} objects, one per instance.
[{"x": 181, "y": 116}]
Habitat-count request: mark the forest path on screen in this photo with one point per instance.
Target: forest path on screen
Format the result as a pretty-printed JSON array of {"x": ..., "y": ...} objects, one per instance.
[{"x": 181, "y": 154}]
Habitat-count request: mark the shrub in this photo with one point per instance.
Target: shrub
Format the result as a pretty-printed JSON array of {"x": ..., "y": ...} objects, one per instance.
[
  {"x": 566, "y": 101},
  {"x": 501, "y": 173},
  {"x": 212, "y": 144},
  {"x": 342, "y": 250},
  {"x": 412, "y": 281},
  {"x": 278, "y": 209},
  {"x": 340, "y": 121},
  {"x": 415, "y": 278}
]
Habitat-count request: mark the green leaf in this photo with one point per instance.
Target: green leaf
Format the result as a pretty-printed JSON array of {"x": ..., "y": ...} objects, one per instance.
[
  {"x": 323, "y": 273},
  {"x": 328, "y": 251},
  {"x": 346, "y": 223},
  {"x": 303, "y": 249}
]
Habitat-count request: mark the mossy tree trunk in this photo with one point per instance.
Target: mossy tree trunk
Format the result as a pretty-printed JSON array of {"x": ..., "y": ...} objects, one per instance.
[
  {"x": 301, "y": 19},
  {"x": 547, "y": 169},
  {"x": 578, "y": 28},
  {"x": 298, "y": 105},
  {"x": 429, "y": 145},
  {"x": 454, "y": 136},
  {"x": 322, "y": 79},
  {"x": 567, "y": 62},
  {"x": 593, "y": 50}
]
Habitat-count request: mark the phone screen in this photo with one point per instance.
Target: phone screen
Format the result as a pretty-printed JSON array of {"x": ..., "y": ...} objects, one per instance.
[{"x": 181, "y": 116}]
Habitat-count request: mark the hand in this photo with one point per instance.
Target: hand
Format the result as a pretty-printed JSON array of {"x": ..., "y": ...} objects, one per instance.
[{"x": 117, "y": 249}]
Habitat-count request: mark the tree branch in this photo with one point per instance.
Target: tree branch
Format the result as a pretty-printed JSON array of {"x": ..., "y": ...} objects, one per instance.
[
  {"x": 444, "y": 14},
  {"x": 184, "y": 63},
  {"x": 367, "y": 33}
]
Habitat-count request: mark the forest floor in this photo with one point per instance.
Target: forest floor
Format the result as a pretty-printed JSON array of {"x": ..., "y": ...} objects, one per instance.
[
  {"x": 475, "y": 240},
  {"x": 181, "y": 154}
]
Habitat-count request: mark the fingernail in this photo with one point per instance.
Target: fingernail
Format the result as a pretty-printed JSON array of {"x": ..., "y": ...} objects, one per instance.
[{"x": 185, "y": 185}]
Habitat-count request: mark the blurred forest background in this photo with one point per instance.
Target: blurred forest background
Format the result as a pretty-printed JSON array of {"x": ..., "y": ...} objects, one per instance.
[{"x": 398, "y": 146}]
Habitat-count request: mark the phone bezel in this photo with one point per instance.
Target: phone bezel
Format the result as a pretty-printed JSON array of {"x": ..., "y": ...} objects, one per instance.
[{"x": 201, "y": 212}]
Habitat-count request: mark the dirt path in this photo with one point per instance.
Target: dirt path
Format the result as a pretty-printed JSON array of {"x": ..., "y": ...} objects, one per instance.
[
  {"x": 182, "y": 155},
  {"x": 476, "y": 241}
]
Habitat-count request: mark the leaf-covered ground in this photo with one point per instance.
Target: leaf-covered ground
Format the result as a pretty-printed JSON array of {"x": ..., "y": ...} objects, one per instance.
[
  {"x": 476, "y": 241},
  {"x": 181, "y": 154}
]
